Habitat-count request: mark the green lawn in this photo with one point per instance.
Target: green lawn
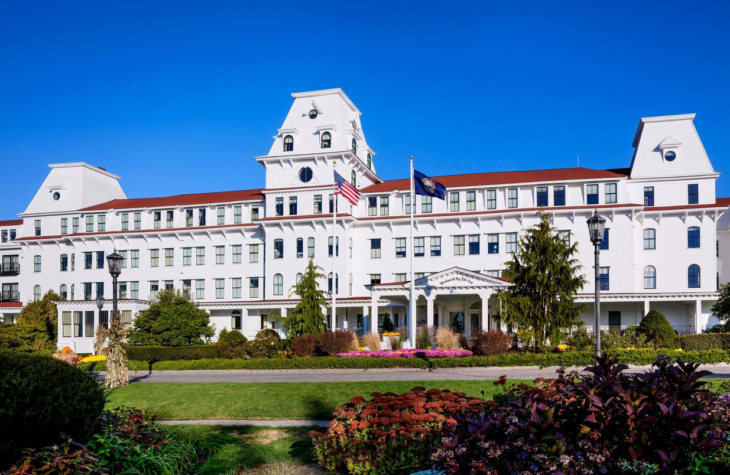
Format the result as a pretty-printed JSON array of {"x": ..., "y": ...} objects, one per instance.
[{"x": 306, "y": 401}]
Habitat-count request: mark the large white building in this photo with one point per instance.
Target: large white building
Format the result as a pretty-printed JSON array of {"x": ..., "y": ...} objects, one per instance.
[{"x": 238, "y": 253}]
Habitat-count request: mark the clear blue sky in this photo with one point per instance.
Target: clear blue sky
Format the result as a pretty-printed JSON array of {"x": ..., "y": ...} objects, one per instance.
[{"x": 178, "y": 97}]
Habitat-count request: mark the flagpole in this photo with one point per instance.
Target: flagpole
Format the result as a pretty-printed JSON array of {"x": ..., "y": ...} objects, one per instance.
[
  {"x": 412, "y": 307},
  {"x": 334, "y": 250}
]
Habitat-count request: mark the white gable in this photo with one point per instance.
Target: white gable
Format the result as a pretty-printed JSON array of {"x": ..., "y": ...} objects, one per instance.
[{"x": 462, "y": 278}]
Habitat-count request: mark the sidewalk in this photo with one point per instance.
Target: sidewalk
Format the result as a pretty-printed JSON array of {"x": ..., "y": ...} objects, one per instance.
[{"x": 243, "y": 422}]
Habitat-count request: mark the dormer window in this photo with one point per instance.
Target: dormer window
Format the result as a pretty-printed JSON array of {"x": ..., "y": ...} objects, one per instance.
[
  {"x": 288, "y": 143},
  {"x": 354, "y": 179},
  {"x": 354, "y": 146},
  {"x": 313, "y": 114},
  {"x": 370, "y": 162},
  {"x": 326, "y": 140}
]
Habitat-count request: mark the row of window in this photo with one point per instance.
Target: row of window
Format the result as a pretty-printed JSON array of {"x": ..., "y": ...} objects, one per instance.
[
  {"x": 325, "y": 141},
  {"x": 81, "y": 324},
  {"x": 650, "y": 277},
  {"x": 294, "y": 202},
  {"x": 466, "y": 244},
  {"x": 7, "y": 235},
  {"x": 279, "y": 247}
]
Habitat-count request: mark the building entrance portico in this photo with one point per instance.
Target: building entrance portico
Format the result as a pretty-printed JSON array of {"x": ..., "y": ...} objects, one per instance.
[{"x": 454, "y": 297}]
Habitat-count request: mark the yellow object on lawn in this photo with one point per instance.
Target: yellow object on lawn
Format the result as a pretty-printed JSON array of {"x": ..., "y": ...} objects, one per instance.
[{"x": 91, "y": 359}]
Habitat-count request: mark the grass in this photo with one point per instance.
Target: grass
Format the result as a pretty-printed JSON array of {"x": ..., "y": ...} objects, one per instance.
[
  {"x": 253, "y": 450},
  {"x": 304, "y": 401}
]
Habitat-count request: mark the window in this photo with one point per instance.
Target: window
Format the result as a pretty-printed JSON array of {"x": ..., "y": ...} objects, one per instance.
[
  {"x": 200, "y": 289},
  {"x": 419, "y": 275},
  {"x": 188, "y": 218},
  {"x": 254, "y": 213},
  {"x": 611, "y": 193},
  {"x": 135, "y": 258},
  {"x": 201, "y": 217},
  {"x": 559, "y": 196},
  {"x": 87, "y": 290},
  {"x": 187, "y": 256},
  {"x": 89, "y": 323},
  {"x": 493, "y": 273},
  {"x": 332, "y": 204},
  {"x": 310, "y": 247},
  {"x": 278, "y": 285},
  {"x": 292, "y": 205},
  {"x": 220, "y": 288},
  {"x": 253, "y": 253},
  {"x": 374, "y": 279},
  {"x": 542, "y": 196},
  {"x": 288, "y": 143},
  {"x": 64, "y": 229},
  {"x": 565, "y": 236},
  {"x": 471, "y": 200},
  {"x": 157, "y": 219},
  {"x": 419, "y": 247},
  {"x": 592, "y": 194},
  {"x": 370, "y": 161},
  {"x": 154, "y": 289},
  {"x": 349, "y": 285},
  {"x": 372, "y": 206},
  {"x": 458, "y": 245},
  {"x": 426, "y": 204},
  {"x": 400, "y": 247},
  {"x": 384, "y": 206},
  {"x": 492, "y": 243},
  {"x": 693, "y": 237},
  {"x": 604, "y": 243},
  {"x": 512, "y": 198},
  {"x": 279, "y": 209},
  {"x": 236, "y": 288},
  {"x": 122, "y": 289},
  {"x": 220, "y": 255},
  {"x": 221, "y": 215},
  {"x": 354, "y": 146},
  {"x": 473, "y": 244},
  {"x": 169, "y": 218},
  {"x": 326, "y": 140},
  {"x": 36, "y": 263},
  {"x": 603, "y": 278},
  {"x": 299, "y": 278},
  {"x": 435, "y": 246},
  {"x": 64, "y": 262},
  {"x": 407, "y": 204},
  {"x": 375, "y": 248},
  {"x": 4, "y": 234},
  {"x": 317, "y": 204},
  {"x": 89, "y": 225},
  {"x": 237, "y": 214},
  {"x": 510, "y": 241},
  {"x": 670, "y": 156},
  {"x": 300, "y": 247},
  {"x": 169, "y": 257},
  {"x": 12, "y": 234},
  {"x": 253, "y": 287},
  {"x": 337, "y": 283},
  {"x": 75, "y": 225},
  {"x": 134, "y": 290},
  {"x": 353, "y": 179},
  {"x": 350, "y": 240},
  {"x": 491, "y": 199},
  {"x": 648, "y": 196},
  {"x": 278, "y": 248},
  {"x": 88, "y": 260},
  {"x": 454, "y": 202},
  {"x": 125, "y": 222},
  {"x": 649, "y": 277},
  {"x": 137, "y": 220},
  {"x": 37, "y": 292},
  {"x": 329, "y": 246},
  {"x": 693, "y": 194},
  {"x": 154, "y": 258},
  {"x": 100, "y": 289},
  {"x": 649, "y": 239},
  {"x": 693, "y": 276},
  {"x": 66, "y": 319},
  {"x": 236, "y": 253},
  {"x": 78, "y": 324},
  {"x": 199, "y": 256},
  {"x": 100, "y": 260},
  {"x": 127, "y": 319}
]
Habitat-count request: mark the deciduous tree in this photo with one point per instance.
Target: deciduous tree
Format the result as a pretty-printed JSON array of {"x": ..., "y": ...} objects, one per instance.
[{"x": 173, "y": 320}]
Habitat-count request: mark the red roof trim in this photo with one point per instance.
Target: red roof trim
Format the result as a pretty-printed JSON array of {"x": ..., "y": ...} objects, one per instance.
[
  {"x": 304, "y": 216},
  {"x": 180, "y": 200},
  {"x": 12, "y": 222},
  {"x": 138, "y": 231},
  {"x": 11, "y": 304}
]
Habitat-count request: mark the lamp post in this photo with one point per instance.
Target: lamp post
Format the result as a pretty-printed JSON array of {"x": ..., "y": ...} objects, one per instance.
[
  {"x": 596, "y": 224},
  {"x": 100, "y": 303},
  {"x": 115, "y": 268}
]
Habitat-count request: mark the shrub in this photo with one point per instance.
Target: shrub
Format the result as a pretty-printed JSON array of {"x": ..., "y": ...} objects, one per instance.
[
  {"x": 388, "y": 326},
  {"x": 372, "y": 341},
  {"x": 262, "y": 348},
  {"x": 491, "y": 343},
  {"x": 174, "y": 320},
  {"x": 719, "y": 328},
  {"x": 659, "y": 333},
  {"x": 623, "y": 339},
  {"x": 423, "y": 337},
  {"x": 331, "y": 343},
  {"x": 389, "y": 433},
  {"x": 171, "y": 353},
  {"x": 706, "y": 341},
  {"x": 304, "y": 346},
  {"x": 446, "y": 338},
  {"x": 268, "y": 334},
  {"x": 41, "y": 398},
  {"x": 604, "y": 422},
  {"x": 232, "y": 344},
  {"x": 581, "y": 340}
]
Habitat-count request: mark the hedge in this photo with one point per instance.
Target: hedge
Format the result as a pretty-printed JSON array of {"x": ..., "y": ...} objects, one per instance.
[
  {"x": 569, "y": 358},
  {"x": 705, "y": 341},
  {"x": 171, "y": 353}
]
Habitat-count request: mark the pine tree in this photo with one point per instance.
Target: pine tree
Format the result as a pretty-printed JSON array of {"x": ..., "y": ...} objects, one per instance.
[
  {"x": 721, "y": 308},
  {"x": 545, "y": 276},
  {"x": 307, "y": 317}
]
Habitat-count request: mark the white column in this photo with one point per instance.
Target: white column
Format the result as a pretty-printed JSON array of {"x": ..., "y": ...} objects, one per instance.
[
  {"x": 365, "y": 318},
  {"x": 281, "y": 320},
  {"x": 430, "y": 299},
  {"x": 698, "y": 316},
  {"x": 485, "y": 309},
  {"x": 374, "y": 314},
  {"x": 412, "y": 320},
  {"x": 646, "y": 307},
  {"x": 345, "y": 324}
]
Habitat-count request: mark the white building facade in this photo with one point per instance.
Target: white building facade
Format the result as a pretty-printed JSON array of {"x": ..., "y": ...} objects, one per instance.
[{"x": 238, "y": 253}]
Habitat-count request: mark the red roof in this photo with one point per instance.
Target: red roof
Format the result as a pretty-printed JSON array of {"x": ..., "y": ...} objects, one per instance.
[
  {"x": 161, "y": 230},
  {"x": 722, "y": 201},
  {"x": 11, "y": 304},
  {"x": 501, "y": 178},
  {"x": 180, "y": 200},
  {"x": 12, "y": 222}
]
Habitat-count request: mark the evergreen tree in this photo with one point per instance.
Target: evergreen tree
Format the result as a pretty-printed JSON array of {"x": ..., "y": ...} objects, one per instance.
[
  {"x": 721, "y": 308},
  {"x": 307, "y": 317},
  {"x": 172, "y": 321},
  {"x": 545, "y": 276}
]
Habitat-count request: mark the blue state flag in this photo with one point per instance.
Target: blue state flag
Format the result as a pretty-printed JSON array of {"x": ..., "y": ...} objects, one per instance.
[{"x": 423, "y": 185}]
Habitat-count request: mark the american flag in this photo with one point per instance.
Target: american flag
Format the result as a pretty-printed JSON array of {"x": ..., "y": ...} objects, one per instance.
[{"x": 345, "y": 189}]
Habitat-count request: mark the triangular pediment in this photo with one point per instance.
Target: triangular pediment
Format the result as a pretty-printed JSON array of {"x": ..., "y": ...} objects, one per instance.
[
  {"x": 459, "y": 277},
  {"x": 669, "y": 142}
]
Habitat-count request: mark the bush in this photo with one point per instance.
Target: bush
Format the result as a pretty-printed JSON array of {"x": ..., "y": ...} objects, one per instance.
[
  {"x": 445, "y": 338},
  {"x": 262, "y": 348},
  {"x": 41, "y": 398},
  {"x": 628, "y": 338},
  {"x": 706, "y": 341},
  {"x": 174, "y": 320},
  {"x": 304, "y": 346},
  {"x": 581, "y": 340},
  {"x": 232, "y": 344},
  {"x": 390, "y": 433},
  {"x": 491, "y": 343},
  {"x": 331, "y": 343},
  {"x": 604, "y": 422},
  {"x": 268, "y": 334},
  {"x": 171, "y": 353},
  {"x": 659, "y": 333}
]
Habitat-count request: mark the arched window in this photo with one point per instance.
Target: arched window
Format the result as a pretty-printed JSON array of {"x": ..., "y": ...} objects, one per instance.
[
  {"x": 288, "y": 143},
  {"x": 37, "y": 292},
  {"x": 310, "y": 247},
  {"x": 337, "y": 283},
  {"x": 350, "y": 286},
  {"x": 693, "y": 276},
  {"x": 649, "y": 277},
  {"x": 63, "y": 292},
  {"x": 73, "y": 288},
  {"x": 370, "y": 161},
  {"x": 354, "y": 146},
  {"x": 693, "y": 237},
  {"x": 278, "y": 285},
  {"x": 354, "y": 179},
  {"x": 326, "y": 140},
  {"x": 649, "y": 239},
  {"x": 299, "y": 277}
]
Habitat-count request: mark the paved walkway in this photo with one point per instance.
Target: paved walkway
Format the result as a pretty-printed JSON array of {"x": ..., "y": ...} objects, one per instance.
[
  {"x": 338, "y": 375},
  {"x": 244, "y": 422}
]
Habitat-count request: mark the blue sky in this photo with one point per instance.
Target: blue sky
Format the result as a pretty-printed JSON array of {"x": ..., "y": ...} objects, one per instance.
[{"x": 178, "y": 97}]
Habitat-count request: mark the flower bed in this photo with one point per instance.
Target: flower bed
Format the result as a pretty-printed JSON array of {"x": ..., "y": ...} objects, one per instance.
[{"x": 406, "y": 354}]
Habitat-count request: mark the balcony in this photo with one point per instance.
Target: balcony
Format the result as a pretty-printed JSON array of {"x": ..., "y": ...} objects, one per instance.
[
  {"x": 10, "y": 268},
  {"x": 9, "y": 296}
]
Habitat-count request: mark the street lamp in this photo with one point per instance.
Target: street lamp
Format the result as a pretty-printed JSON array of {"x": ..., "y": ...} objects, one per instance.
[
  {"x": 596, "y": 224},
  {"x": 115, "y": 268},
  {"x": 100, "y": 302}
]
